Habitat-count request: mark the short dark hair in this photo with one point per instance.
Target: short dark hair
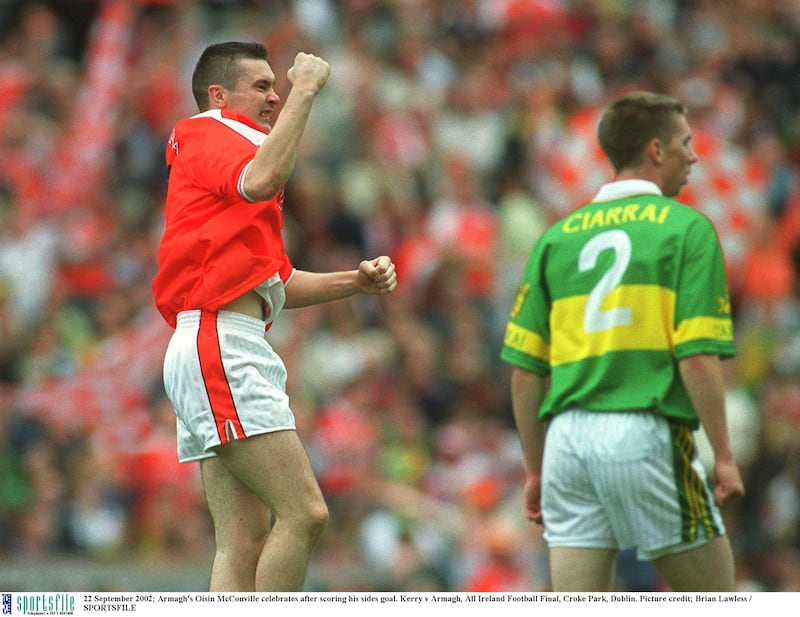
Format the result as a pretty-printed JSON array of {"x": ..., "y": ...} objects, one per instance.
[
  {"x": 629, "y": 123},
  {"x": 218, "y": 65}
]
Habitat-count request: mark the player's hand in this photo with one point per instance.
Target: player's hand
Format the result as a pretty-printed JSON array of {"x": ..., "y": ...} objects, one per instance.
[
  {"x": 728, "y": 485},
  {"x": 533, "y": 498},
  {"x": 377, "y": 276},
  {"x": 309, "y": 70}
]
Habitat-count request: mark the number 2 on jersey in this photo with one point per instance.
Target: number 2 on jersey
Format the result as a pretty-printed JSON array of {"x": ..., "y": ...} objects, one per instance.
[{"x": 595, "y": 319}]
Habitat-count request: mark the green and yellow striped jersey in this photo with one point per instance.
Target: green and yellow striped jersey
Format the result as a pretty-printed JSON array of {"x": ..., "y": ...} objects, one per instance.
[{"x": 613, "y": 295}]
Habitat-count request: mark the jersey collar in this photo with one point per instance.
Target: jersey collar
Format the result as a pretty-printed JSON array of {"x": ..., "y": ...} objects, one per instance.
[
  {"x": 232, "y": 115},
  {"x": 626, "y": 188}
]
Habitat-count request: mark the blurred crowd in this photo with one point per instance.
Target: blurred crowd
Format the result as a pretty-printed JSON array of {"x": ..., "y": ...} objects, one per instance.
[{"x": 449, "y": 135}]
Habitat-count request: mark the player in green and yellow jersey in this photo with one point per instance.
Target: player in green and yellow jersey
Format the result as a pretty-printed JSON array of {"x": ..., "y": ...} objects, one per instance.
[{"x": 615, "y": 340}]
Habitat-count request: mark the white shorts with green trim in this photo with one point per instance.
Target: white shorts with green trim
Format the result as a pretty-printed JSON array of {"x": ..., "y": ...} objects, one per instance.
[{"x": 617, "y": 480}]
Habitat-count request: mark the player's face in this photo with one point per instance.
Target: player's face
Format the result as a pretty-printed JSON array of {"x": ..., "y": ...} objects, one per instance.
[
  {"x": 678, "y": 158},
  {"x": 254, "y": 95}
]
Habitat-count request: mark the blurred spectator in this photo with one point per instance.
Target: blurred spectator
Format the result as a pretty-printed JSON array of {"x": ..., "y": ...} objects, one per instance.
[{"x": 28, "y": 260}]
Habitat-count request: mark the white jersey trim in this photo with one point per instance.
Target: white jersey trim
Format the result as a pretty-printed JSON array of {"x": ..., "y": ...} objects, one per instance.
[
  {"x": 626, "y": 188},
  {"x": 255, "y": 136}
]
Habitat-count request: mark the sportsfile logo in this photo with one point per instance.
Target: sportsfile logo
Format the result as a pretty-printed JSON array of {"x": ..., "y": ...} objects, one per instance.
[{"x": 38, "y": 604}]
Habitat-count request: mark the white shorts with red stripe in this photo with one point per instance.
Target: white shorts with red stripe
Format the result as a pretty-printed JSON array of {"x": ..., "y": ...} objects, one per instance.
[{"x": 224, "y": 380}]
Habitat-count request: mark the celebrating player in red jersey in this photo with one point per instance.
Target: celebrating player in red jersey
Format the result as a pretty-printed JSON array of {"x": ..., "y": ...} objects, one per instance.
[{"x": 223, "y": 277}]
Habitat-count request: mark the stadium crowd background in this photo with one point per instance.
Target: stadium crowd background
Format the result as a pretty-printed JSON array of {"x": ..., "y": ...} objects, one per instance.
[{"x": 449, "y": 135}]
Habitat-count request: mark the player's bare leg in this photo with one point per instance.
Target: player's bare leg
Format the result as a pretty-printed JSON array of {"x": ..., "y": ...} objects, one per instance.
[
  {"x": 582, "y": 569},
  {"x": 243, "y": 484},
  {"x": 707, "y": 568},
  {"x": 241, "y": 524}
]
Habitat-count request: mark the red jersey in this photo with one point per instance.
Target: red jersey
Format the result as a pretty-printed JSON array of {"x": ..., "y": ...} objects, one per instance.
[{"x": 217, "y": 243}]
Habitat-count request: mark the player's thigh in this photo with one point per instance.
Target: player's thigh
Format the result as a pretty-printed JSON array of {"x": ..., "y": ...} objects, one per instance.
[
  {"x": 239, "y": 515},
  {"x": 276, "y": 468},
  {"x": 582, "y": 569},
  {"x": 709, "y": 567}
]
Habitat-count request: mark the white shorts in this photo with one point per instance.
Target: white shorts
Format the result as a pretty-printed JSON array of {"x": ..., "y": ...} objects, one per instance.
[
  {"x": 621, "y": 480},
  {"x": 224, "y": 380}
]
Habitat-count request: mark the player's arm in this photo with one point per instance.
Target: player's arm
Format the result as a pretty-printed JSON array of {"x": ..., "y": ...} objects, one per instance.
[
  {"x": 275, "y": 159},
  {"x": 527, "y": 393},
  {"x": 702, "y": 376},
  {"x": 375, "y": 276}
]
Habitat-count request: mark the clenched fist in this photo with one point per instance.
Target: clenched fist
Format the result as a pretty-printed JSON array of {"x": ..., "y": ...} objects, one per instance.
[
  {"x": 377, "y": 276},
  {"x": 309, "y": 70}
]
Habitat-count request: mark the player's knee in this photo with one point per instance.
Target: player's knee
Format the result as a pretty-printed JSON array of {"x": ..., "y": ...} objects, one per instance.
[
  {"x": 244, "y": 544},
  {"x": 316, "y": 519},
  {"x": 306, "y": 519}
]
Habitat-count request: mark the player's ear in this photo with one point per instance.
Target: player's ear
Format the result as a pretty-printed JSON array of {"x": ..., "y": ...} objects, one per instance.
[
  {"x": 654, "y": 151},
  {"x": 216, "y": 96}
]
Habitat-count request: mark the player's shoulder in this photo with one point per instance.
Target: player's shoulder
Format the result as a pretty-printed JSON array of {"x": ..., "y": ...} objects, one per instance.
[
  {"x": 690, "y": 212},
  {"x": 193, "y": 129},
  {"x": 203, "y": 134},
  {"x": 200, "y": 124}
]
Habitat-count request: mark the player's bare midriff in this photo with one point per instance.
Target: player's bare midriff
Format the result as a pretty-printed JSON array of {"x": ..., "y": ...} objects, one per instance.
[{"x": 249, "y": 303}]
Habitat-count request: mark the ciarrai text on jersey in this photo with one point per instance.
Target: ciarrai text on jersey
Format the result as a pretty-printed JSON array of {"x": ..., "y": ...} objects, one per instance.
[{"x": 585, "y": 219}]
